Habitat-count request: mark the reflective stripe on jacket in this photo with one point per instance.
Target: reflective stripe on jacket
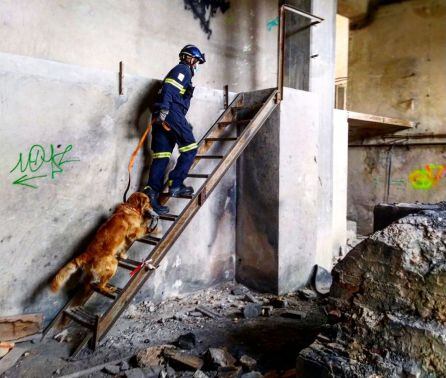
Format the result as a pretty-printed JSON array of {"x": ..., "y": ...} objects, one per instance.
[{"x": 177, "y": 90}]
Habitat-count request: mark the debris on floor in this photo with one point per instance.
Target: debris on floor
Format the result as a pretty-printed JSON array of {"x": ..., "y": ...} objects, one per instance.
[
  {"x": 388, "y": 294},
  {"x": 206, "y": 334}
]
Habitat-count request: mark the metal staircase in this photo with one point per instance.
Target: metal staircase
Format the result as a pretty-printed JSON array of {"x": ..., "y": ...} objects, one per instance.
[{"x": 241, "y": 118}]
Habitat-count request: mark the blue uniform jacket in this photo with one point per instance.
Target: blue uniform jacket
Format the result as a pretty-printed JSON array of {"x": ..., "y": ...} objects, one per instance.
[{"x": 177, "y": 90}]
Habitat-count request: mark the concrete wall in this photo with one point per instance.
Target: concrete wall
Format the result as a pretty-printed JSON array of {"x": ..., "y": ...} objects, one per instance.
[
  {"x": 370, "y": 183},
  {"x": 147, "y": 36},
  {"x": 46, "y": 104},
  {"x": 398, "y": 72}
]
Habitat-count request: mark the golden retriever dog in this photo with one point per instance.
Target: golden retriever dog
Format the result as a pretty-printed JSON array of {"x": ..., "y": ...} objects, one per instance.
[{"x": 113, "y": 239}]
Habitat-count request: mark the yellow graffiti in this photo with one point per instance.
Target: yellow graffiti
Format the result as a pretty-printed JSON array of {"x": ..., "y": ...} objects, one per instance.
[{"x": 428, "y": 177}]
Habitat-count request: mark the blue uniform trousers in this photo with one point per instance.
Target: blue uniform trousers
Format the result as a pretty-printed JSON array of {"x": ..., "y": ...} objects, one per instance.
[{"x": 163, "y": 142}]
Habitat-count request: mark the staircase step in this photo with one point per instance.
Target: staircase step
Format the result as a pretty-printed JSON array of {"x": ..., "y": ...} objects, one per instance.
[
  {"x": 169, "y": 217},
  {"x": 209, "y": 157},
  {"x": 108, "y": 295},
  {"x": 228, "y": 123},
  {"x": 221, "y": 139},
  {"x": 149, "y": 240},
  {"x": 128, "y": 264},
  {"x": 197, "y": 175},
  {"x": 81, "y": 316}
]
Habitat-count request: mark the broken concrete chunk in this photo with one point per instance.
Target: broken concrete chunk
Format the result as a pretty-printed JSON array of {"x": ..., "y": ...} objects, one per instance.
[
  {"x": 180, "y": 316},
  {"x": 112, "y": 369},
  {"x": 131, "y": 312},
  {"x": 267, "y": 310},
  {"x": 322, "y": 280},
  {"x": 186, "y": 341},
  {"x": 229, "y": 372},
  {"x": 239, "y": 290},
  {"x": 293, "y": 314},
  {"x": 200, "y": 374},
  {"x": 152, "y": 356},
  {"x": 195, "y": 314},
  {"x": 208, "y": 312},
  {"x": 278, "y": 303},
  {"x": 251, "y": 298},
  {"x": 389, "y": 290},
  {"x": 247, "y": 362},
  {"x": 220, "y": 357},
  {"x": 184, "y": 359},
  {"x": 148, "y": 372},
  {"x": 124, "y": 366},
  {"x": 307, "y": 294},
  {"x": 252, "y": 310},
  {"x": 170, "y": 372}
]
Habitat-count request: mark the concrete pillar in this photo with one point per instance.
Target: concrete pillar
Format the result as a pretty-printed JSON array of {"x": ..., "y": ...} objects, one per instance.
[
  {"x": 340, "y": 173},
  {"x": 277, "y": 209},
  {"x": 322, "y": 73}
]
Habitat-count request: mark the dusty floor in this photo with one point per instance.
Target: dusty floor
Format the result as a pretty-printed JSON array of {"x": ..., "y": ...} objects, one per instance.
[{"x": 273, "y": 341}]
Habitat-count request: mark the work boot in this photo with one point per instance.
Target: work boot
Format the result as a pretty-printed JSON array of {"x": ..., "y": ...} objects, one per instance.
[
  {"x": 153, "y": 196},
  {"x": 181, "y": 190}
]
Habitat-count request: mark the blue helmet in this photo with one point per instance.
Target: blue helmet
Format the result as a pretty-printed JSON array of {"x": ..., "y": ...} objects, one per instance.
[{"x": 193, "y": 51}]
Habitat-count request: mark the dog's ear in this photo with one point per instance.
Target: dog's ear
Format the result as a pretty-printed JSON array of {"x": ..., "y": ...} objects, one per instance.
[
  {"x": 145, "y": 202},
  {"x": 135, "y": 201}
]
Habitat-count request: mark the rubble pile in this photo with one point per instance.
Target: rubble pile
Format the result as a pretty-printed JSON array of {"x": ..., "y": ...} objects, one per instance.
[
  {"x": 223, "y": 331},
  {"x": 389, "y": 294}
]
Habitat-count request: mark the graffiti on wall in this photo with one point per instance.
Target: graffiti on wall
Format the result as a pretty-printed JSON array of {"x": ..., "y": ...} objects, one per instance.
[
  {"x": 272, "y": 23},
  {"x": 427, "y": 177},
  {"x": 39, "y": 163},
  {"x": 205, "y": 10}
]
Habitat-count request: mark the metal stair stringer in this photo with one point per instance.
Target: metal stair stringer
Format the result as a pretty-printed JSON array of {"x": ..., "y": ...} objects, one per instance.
[{"x": 222, "y": 131}]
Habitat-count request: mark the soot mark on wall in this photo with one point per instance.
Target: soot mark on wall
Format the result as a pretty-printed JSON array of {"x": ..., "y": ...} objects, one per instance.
[{"x": 204, "y": 10}]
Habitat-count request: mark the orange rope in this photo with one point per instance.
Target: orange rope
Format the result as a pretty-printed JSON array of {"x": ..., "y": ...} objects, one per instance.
[
  {"x": 138, "y": 147},
  {"x": 132, "y": 158}
]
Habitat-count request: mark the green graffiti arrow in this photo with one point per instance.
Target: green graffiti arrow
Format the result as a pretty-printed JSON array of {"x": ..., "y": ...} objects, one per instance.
[{"x": 21, "y": 181}]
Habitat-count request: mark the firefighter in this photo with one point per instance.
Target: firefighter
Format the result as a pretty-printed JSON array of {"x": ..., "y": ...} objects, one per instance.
[{"x": 170, "y": 127}]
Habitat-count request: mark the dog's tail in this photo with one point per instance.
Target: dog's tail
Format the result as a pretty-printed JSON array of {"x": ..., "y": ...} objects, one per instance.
[{"x": 63, "y": 274}]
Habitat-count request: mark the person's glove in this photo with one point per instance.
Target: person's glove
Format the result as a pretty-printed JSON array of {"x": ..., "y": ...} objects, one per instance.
[
  {"x": 163, "y": 114},
  {"x": 161, "y": 117}
]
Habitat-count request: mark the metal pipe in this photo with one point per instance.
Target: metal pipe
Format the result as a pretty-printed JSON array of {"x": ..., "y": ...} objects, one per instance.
[
  {"x": 301, "y": 12},
  {"x": 415, "y": 136},
  {"x": 281, "y": 53},
  {"x": 397, "y": 144}
]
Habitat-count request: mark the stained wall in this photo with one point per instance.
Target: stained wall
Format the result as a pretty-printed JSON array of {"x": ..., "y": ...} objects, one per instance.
[{"x": 396, "y": 69}]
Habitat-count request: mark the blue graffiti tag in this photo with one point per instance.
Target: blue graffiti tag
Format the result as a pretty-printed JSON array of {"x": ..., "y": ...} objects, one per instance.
[{"x": 272, "y": 23}]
